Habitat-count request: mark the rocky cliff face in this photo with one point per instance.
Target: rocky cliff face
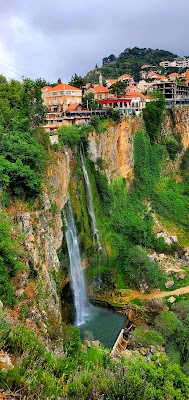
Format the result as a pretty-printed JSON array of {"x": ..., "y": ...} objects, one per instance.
[
  {"x": 38, "y": 288},
  {"x": 114, "y": 147},
  {"x": 177, "y": 120}
]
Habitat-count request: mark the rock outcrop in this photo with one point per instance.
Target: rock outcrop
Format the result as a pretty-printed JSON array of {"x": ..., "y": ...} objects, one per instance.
[
  {"x": 115, "y": 147},
  {"x": 177, "y": 120},
  {"x": 42, "y": 238}
]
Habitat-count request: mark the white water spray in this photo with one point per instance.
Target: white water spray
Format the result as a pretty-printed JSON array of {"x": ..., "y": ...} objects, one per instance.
[
  {"x": 90, "y": 207},
  {"x": 77, "y": 277}
]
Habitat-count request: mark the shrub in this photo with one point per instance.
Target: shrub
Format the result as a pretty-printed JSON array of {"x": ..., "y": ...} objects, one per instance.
[
  {"x": 147, "y": 337},
  {"x": 140, "y": 269},
  {"x": 153, "y": 115},
  {"x": 10, "y": 254},
  {"x": 166, "y": 323},
  {"x": 68, "y": 135},
  {"x": 172, "y": 146}
]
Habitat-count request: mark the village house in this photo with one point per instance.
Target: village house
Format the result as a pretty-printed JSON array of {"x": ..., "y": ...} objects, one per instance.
[
  {"x": 179, "y": 62},
  {"x": 187, "y": 77},
  {"x": 100, "y": 92},
  {"x": 154, "y": 75},
  {"x": 126, "y": 78},
  {"x": 171, "y": 90},
  {"x": 110, "y": 82},
  {"x": 144, "y": 86},
  {"x": 131, "y": 88},
  {"x": 173, "y": 76},
  {"x": 131, "y": 102},
  {"x": 58, "y": 98}
]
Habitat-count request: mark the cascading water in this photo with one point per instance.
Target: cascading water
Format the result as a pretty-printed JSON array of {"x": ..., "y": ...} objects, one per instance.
[
  {"x": 78, "y": 282},
  {"x": 90, "y": 207}
]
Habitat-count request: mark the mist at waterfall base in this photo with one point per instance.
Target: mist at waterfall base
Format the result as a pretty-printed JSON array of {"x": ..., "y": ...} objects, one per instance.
[{"x": 103, "y": 324}]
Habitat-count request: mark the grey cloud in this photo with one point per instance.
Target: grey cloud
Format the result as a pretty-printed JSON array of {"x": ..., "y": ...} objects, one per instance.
[{"x": 58, "y": 39}]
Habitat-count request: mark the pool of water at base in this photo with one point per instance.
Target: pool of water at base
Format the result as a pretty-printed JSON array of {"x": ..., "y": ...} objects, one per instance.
[{"x": 102, "y": 324}]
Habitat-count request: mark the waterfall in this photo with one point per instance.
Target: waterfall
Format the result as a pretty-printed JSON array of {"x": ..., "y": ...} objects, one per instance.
[
  {"x": 78, "y": 282},
  {"x": 90, "y": 207}
]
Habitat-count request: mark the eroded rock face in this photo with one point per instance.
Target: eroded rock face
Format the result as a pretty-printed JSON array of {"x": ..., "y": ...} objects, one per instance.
[
  {"x": 42, "y": 238},
  {"x": 115, "y": 147},
  {"x": 177, "y": 120}
]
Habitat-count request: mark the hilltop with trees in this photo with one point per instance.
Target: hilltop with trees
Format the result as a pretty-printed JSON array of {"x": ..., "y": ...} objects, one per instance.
[{"x": 130, "y": 61}]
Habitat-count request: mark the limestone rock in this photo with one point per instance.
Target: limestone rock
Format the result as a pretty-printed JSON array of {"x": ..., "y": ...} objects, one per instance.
[
  {"x": 5, "y": 361},
  {"x": 114, "y": 147},
  {"x": 171, "y": 299},
  {"x": 169, "y": 284},
  {"x": 95, "y": 343}
]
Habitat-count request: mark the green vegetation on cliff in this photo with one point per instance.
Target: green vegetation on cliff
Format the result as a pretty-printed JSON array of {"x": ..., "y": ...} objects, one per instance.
[
  {"x": 130, "y": 62},
  {"x": 84, "y": 373},
  {"x": 24, "y": 145}
]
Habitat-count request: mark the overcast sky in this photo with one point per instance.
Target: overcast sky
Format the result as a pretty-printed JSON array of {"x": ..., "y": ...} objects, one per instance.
[{"x": 53, "y": 39}]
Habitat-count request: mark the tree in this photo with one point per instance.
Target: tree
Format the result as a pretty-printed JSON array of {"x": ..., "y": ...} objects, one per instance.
[
  {"x": 90, "y": 102},
  {"x": 114, "y": 114},
  {"x": 32, "y": 112},
  {"x": 77, "y": 81},
  {"x": 140, "y": 269},
  {"x": 166, "y": 323},
  {"x": 118, "y": 88},
  {"x": 59, "y": 81},
  {"x": 10, "y": 103},
  {"x": 41, "y": 82},
  {"x": 153, "y": 116}
]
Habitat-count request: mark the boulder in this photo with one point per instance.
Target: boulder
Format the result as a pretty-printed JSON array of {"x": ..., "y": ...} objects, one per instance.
[
  {"x": 95, "y": 343},
  {"x": 171, "y": 299},
  {"x": 5, "y": 361},
  {"x": 169, "y": 284}
]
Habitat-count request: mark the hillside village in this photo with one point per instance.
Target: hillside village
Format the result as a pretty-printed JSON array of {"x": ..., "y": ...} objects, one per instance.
[{"x": 71, "y": 105}]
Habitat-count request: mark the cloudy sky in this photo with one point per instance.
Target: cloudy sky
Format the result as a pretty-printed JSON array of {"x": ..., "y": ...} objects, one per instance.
[{"x": 53, "y": 39}]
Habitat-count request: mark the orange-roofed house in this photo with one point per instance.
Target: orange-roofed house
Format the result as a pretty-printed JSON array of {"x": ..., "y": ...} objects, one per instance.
[
  {"x": 131, "y": 88},
  {"x": 187, "y": 76},
  {"x": 154, "y": 75},
  {"x": 110, "y": 82},
  {"x": 100, "y": 92},
  {"x": 126, "y": 78},
  {"x": 173, "y": 76},
  {"x": 59, "y": 97}
]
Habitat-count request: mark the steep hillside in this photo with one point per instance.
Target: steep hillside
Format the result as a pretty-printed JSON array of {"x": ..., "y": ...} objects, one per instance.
[
  {"x": 130, "y": 61},
  {"x": 138, "y": 173}
]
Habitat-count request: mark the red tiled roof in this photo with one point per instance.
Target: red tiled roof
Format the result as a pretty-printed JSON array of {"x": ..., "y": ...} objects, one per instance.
[
  {"x": 135, "y": 94},
  {"x": 131, "y": 87},
  {"x": 63, "y": 86},
  {"x": 125, "y": 76},
  {"x": 154, "y": 75},
  {"x": 72, "y": 106},
  {"x": 174, "y": 74},
  {"x": 46, "y": 88},
  {"x": 111, "y": 80},
  {"x": 100, "y": 88}
]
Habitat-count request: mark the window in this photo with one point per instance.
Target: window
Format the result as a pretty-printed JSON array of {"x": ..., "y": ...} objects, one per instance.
[
  {"x": 68, "y": 92},
  {"x": 54, "y": 93}
]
